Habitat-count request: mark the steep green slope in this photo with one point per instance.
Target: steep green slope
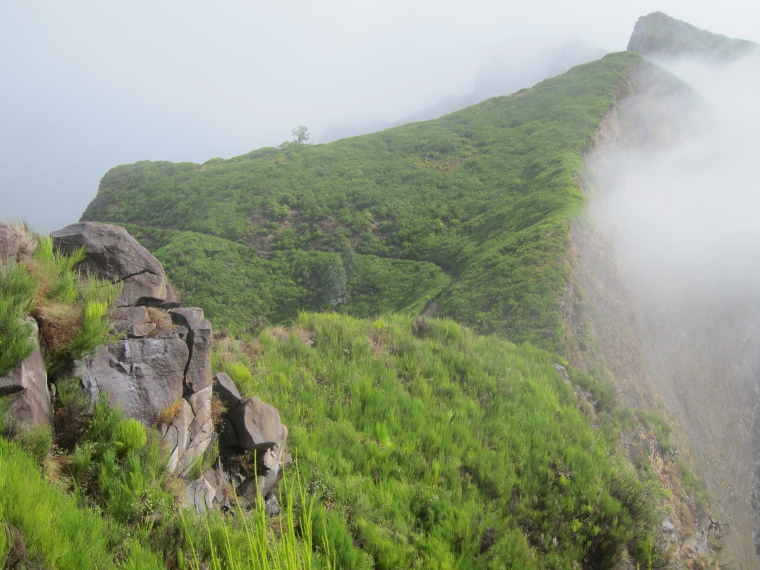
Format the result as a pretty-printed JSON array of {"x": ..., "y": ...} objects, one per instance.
[
  {"x": 427, "y": 446},
  {"x": 484, "y": 194},
  {"x": 418, "y": 444}
]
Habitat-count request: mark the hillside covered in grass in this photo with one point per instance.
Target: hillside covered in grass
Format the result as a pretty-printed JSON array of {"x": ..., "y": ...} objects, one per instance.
[
  {"x": 469, "y": 211},
  {"x": 418, "y": 444},
  {"x": 425, "y": 445}
]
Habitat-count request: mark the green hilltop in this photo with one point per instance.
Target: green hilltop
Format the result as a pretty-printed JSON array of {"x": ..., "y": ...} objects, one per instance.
[{"x": 469, "y": 211}]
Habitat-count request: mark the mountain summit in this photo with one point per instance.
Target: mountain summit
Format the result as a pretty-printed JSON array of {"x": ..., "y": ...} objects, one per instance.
[{"x": 659, "y": 35}]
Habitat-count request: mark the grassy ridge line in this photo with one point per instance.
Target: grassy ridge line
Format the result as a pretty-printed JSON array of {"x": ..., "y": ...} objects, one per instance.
[
  {"x": 483, "y": 193},
  {"x": 428, "y": 446}
]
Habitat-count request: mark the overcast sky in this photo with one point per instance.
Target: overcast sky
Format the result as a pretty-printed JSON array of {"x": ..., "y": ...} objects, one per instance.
[{"x": 88, "y": 85}]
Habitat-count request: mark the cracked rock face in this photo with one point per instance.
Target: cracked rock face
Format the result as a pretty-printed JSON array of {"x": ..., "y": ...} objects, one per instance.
[
  {"x": 196, "y": 331},
  {"x": 140, "y": 376},
  {"x": 114, "y": 255},
  {"x": 152, "y": 373},
  {"x": 158, "y": 376}
]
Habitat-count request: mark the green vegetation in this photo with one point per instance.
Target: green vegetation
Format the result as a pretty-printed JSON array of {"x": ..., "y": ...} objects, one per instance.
[
  {"x": 17, "y": 289},
  {"x": 248, "y": 541},
  {"x": 124, "y": 507},
  {"x": 69, "y": 308},
  {"x": 234, "y": 285},
  {"x": 446, "y": 449},
  {"x": 420, "y": 443},
  {"x": 482, "y": 196},
  {"x": 57, "y": 531}
]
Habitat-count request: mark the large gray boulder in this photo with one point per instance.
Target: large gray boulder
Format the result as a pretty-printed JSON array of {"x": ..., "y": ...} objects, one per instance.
[
  {"x": 140, "y": 376},
  {"x": 257, "y": 425},
  {"x": 114, "y": 255},
  {"x": 26, "y": 388}
]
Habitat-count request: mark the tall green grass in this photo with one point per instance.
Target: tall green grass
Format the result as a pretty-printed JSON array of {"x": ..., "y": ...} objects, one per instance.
[
  {"x": 433, "y": 447},
  {"x": 251, "y": 540},
  {"x": 17, "y": 289},
  {"x": 58, "y": 531},
  {"x": 70, "y": 307}
]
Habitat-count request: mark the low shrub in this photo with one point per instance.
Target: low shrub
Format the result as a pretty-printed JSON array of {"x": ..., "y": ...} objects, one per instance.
[{"x": 36, "y": 441}]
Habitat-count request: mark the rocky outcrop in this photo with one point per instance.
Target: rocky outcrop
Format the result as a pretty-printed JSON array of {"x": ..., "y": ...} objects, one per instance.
[
  {"x": 158, "y": 376},
  {"x": 27, "y": 389},
  {"x": 158, "y": 371},
  {"x": 15, "y": 243},
  {"x": 253, "y": 452},
  {"x": 114, "y": 255}
]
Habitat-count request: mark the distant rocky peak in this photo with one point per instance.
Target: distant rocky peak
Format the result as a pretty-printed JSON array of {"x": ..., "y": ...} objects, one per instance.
[{"x": 657, "y": 35}]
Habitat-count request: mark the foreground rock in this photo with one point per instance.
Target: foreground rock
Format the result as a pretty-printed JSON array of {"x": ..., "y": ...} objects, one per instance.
[
  {"x": 159, "y": 373},
  {"x": 142, "y": 376},
  {"x": 114, "y": 255},
  {"x": 26, "y": 387},
  {"x": 253, "y": 452},
  {"x": 157, "y": 369}
]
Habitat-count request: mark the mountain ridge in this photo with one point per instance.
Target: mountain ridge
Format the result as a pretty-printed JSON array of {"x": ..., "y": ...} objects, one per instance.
[{"x": 493, "y": 216}]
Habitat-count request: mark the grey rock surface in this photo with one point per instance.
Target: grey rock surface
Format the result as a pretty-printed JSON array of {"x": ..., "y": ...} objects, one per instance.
[
  {"x": 198, "y": 338},
  {"x": 27, "y": 389},
  {"x": 9, "y": 243},
  {"x": 257, "y": 425},
  {"x": 124, "y": 318},
  {"x": 141, "y": 376},
  {"x": 226, "y": 391},
  {"x": 114, "y": 255}
]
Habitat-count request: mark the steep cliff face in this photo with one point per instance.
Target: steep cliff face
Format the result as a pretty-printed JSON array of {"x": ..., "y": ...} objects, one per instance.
[{"x": 669, "y": 306}]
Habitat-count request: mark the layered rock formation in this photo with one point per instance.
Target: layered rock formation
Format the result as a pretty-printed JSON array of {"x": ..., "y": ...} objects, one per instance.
[{"x": 157, "y": 369}]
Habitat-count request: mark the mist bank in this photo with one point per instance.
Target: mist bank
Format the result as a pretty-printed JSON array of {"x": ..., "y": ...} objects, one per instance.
[{"x": 677, "y": 201}]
